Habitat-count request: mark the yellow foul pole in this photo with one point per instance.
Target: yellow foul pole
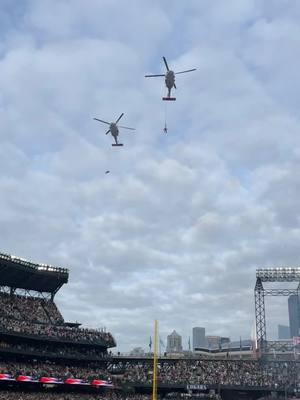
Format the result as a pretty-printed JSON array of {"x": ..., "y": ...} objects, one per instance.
[{"x": 154, "y": 386}]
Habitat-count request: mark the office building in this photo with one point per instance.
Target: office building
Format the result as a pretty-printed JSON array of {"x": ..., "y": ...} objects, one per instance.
[
  {"x": 224, "y": 341},
  {"x": 174, "y": 343},
  {"x": 283, "y": 332},
  {"x": 293, "y": 304},
  {"x": 213, "y": 342},
  {"x": 199, "y": 340}
]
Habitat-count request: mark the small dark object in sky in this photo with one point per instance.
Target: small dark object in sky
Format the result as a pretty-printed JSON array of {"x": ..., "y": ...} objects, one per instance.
[{"x": 107, "y": 172}]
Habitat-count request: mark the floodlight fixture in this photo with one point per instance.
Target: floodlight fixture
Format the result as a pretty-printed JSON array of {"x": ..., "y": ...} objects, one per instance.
[
  {"x": 279, "y": 274},
  {"x": 36, "y": 266}
]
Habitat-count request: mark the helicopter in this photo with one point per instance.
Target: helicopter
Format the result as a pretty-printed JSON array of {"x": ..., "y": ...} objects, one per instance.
[
  {"x": 170, "y": 79},
  {"x": 114, "y": 129}
]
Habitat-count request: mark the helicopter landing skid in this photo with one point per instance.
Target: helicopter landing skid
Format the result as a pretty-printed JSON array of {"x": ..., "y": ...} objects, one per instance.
[
  {"x": 119, "y": 144},
  {"x": 169, "y": 98}
]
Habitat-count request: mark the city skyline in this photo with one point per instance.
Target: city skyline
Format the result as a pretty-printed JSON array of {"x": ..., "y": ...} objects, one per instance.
[{"x": 187, "y": 342}]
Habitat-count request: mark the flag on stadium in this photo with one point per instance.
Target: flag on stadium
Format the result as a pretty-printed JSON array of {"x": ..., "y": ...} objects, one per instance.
[
  {"x": 47, "y": 379},
  {"x": 75, "y": 381},
  {"x": 100, "y": 382},
  {"x": 26, "y": 378},
  {"x": 150, "y": 343},
  {"x": 6, "y": 377}
]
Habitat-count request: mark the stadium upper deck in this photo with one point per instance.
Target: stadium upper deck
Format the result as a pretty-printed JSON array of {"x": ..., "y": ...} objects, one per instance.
[
  {"x": 34, "y": 317},
  {"x": 19, "y": 273}
]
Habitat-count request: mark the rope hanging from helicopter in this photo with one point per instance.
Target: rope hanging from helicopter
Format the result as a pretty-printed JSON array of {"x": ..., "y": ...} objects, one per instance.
[{"x": 165, "y": 126}]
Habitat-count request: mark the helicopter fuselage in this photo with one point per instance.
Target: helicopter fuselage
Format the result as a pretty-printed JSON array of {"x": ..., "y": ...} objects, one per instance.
[
  {"x": 114, "y": 130},
  {"x": 170, "y": 79}
]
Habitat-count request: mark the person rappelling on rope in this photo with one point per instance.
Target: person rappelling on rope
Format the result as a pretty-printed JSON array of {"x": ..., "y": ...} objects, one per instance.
[{"x": 165, "y": 128}]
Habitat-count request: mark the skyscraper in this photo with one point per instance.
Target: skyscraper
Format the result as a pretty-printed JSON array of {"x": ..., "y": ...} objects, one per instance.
[
  {"x": 283, "y": 332},
  {"x": 213, "y": 342},
  {"x": 174, "y": 343},
  {"x": 294, "y": 314},
  {"x": 198, "y": 338}
]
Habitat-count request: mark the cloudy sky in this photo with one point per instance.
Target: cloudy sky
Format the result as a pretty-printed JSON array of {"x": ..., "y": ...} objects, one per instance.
[{"x": 179, "y": 226}]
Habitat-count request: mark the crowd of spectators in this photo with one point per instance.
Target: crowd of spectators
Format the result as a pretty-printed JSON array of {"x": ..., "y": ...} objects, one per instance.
[
  {"x": 56, "y": 350},
  {"x": 40, "y": 317},
  {"x": 33, "y": 309},
  {"x": 8, "y": 395},
  {"x": 211, "y": 372},
  {"x": 61, "y": 332},
  {"x": 197, "y": 372},
  {"x": 45, "y": 395}
]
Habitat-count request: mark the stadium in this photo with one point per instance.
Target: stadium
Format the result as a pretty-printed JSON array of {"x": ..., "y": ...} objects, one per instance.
[{"x": 45, "y": 357}]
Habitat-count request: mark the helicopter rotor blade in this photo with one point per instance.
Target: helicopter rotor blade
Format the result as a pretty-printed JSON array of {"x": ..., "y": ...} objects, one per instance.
[
  {"x": 126, "y": 127},
  {"x": 183, "y": 72},
  {"x": 119, "y": 118},
  {"x": 107, "y": 132},
  {"x": 166, "y": 64},
  {"x": 104, "y": 122},
  {"x": 153, "y": 76}
]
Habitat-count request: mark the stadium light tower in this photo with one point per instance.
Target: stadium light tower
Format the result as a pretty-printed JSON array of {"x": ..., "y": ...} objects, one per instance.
[{"x": 279, "y": 274}]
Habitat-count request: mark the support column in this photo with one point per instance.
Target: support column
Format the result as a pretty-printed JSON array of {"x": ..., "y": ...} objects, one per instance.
[{"x": 260, "y": 315}]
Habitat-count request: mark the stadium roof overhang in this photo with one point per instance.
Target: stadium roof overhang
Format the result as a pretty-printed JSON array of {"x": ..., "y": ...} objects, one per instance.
[{"x": 22, "y": 274}]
